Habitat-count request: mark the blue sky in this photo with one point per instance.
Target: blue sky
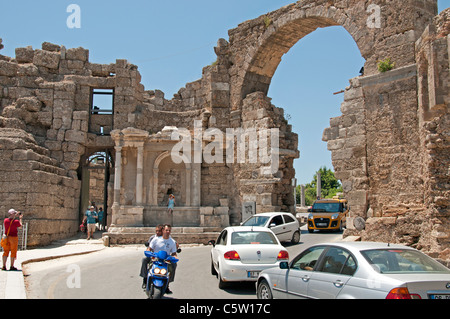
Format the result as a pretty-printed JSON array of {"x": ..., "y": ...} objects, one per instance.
[{"x": 171, "y": 41}]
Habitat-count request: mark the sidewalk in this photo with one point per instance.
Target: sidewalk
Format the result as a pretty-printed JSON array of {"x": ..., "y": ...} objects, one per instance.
[{"x": 12, "y": 284}]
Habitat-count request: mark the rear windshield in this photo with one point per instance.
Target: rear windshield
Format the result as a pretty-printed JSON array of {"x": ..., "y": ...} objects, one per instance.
[
  {"x": 327, "y": 207},
  {"x": 253, "y": 238},
  {"x": 256, "y": 221},
  {"x": 388, "y": 261}
]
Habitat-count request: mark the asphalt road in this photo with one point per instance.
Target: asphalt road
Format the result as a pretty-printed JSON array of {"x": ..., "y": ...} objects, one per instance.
[{"x": 113, "y": 273}]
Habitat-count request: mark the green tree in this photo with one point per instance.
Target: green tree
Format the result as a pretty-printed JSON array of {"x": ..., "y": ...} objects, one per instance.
[{"x": 329, "y": 184}]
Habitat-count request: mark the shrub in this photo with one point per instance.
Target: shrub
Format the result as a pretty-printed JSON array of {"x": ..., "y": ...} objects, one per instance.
[{"x": 385, "y": 65}]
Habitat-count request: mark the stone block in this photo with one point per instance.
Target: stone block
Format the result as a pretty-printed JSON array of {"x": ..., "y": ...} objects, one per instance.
[
  {"x": 210, "y": 221},
  {"x": 24, "y": 55},
  {"x": 46, "y": 59},
  {"x": 77, "y": 54},
  {"x": 8, "y": 68},
  {"x": 221, "y": 210},
  {"x": 206, "y": 210},
  {"x": 76, "y": 136},
  {"x": 80, "y": 115}
]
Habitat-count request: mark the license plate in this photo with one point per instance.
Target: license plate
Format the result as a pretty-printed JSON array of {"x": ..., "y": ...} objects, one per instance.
[
  {"x": 253, "y": 274},
  {"x": 322, "y": 224},
  {"x": 439, "y": 296}
]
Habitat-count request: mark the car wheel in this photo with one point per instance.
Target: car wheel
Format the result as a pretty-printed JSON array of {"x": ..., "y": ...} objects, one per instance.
[
  {"x": 295, "y": 237},
  {"x": 222, "y": 284},
  {"x": 310, "y": 230},
  {"x": 263, "y": 290},
  {"x": 213, "y": 270}
]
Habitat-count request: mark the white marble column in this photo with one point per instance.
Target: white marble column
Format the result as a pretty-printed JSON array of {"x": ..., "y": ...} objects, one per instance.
[
  {"x": 139, "y": 175},
  {"x": 117, "y": 175},
  {"x": 188, "y": 186},
  {"x": 196, "y": 184},
  {"x": 155, "y": 187}
]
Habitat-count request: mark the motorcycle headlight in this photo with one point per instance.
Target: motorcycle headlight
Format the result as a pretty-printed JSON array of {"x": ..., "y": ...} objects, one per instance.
[
  {"x": 157, "y": 270},
  {"x": 334, "y": 216},
  {"x": 163, "y": 271}
]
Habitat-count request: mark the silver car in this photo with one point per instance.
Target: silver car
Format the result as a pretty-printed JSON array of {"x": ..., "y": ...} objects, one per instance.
[
  {"x": 284, "y": 225},
  {"x": 350, "y": 270}
]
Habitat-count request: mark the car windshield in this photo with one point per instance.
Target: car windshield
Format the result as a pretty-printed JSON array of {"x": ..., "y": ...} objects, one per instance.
[
  {"x": 253, "y": 238},
  {"x": 256, "y": 221},
  {"x": 327, "y": 207},
  {"x": 388, "y": 261}
]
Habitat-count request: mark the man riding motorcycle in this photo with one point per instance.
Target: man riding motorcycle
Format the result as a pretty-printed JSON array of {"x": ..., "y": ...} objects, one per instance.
[{"x": 166, "y": 243}]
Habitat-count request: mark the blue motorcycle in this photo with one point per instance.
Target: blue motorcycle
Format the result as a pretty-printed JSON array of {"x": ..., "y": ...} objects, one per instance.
[{"x": 158, "y": 274}]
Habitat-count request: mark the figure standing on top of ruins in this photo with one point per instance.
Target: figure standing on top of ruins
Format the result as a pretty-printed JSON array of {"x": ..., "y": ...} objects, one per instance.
[{"x": 171, "y": 203}]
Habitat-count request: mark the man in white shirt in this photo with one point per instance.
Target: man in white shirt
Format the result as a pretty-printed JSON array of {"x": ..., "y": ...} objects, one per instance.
[
  {"x": 166, "y": 243},
  {"x": 147, "y": 260}
]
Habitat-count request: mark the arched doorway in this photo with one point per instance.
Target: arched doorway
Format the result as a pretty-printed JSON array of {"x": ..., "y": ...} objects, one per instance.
[
  {"x": 95, "y": 176},
  {"x": 309, "y": 84}
]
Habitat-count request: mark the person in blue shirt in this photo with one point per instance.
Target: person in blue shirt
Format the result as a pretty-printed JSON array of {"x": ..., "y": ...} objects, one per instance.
[
  {"x": 170, "y": 203},
  {"x": 100, "y": 218},
  {"x": 91, "y": 217}
]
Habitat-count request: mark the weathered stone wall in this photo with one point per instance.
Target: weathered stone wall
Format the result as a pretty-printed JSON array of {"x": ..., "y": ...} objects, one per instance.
[
  {"x": 32, "y": 182},
  {"x": 270, "y": 191},
  {"x": 347, "y": 141},
  {"x": 401, "y": 122}
]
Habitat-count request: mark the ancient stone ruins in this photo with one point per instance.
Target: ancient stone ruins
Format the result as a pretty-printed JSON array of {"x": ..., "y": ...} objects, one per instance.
[{"x": 390, "y": 147}]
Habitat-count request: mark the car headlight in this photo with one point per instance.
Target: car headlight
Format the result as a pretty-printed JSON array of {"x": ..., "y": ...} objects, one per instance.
[
  {"x": 335, "y": 216},
  {"x": 310, "y": 216}
]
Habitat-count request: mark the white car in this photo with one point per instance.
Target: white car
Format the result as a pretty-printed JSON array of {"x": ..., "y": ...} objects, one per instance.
[
  {"x": 357, "y": 270},
  {"x": 241, "y": 253},
  {"x": 284, "y": 225}
]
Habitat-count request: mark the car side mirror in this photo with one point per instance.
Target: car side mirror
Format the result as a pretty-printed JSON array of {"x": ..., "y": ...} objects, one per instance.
[
  {"x": 284, "y": 265},
  {"x": 212, "y": 242},
  {"x": 272, "y": 225}
]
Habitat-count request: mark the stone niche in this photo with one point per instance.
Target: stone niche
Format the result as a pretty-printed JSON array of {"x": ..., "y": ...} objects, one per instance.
[{"x": 147, "y": 172}]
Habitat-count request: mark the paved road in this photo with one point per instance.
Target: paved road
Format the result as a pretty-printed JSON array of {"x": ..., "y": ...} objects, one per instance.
[{"x": 114, "y": 273}]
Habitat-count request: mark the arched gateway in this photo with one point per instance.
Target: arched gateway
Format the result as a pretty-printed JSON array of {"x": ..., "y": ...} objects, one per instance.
[{"x": 390, "y": 146}]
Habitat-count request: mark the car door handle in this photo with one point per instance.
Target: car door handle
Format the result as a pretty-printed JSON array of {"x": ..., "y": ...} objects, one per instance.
[
  {"x": 338, "y": 284},
  {"x": 306, "y": 278}
]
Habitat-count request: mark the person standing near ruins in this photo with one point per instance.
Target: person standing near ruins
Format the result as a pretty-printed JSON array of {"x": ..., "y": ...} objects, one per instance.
[
  {"x": 100, "y": 214},
  {"x": 91, "y": 218},
  {"x": 10, "y": 225},
  {"x": 171, "y": 203}
]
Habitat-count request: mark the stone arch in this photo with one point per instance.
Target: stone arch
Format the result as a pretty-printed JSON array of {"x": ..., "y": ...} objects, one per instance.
[
  {"x": 187, "y": 176},
  {"x": 276, "y": 43},
  {"x": 258, "y": 45}
]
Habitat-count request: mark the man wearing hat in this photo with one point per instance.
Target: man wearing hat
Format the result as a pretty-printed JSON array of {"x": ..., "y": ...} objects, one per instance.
[
  {"x": 91, "y": 217},
  {"x": 10, "y": 225}
]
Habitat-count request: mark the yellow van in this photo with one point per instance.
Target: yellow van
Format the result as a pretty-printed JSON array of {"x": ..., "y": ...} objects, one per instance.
[{"x": 328, "y": 214}]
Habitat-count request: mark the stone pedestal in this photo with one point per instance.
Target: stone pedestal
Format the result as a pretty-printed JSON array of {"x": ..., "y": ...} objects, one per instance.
[{"x": 129, "y": 216}]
